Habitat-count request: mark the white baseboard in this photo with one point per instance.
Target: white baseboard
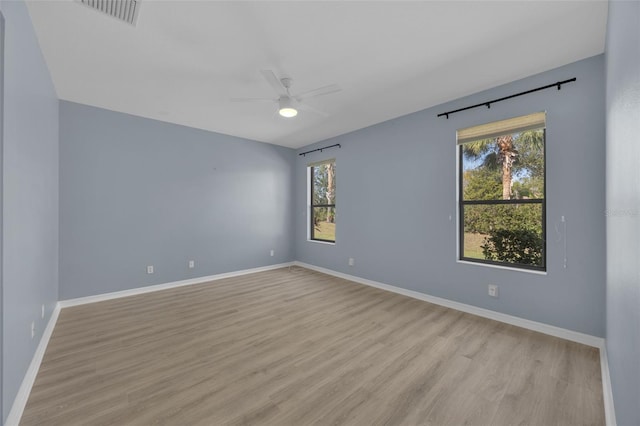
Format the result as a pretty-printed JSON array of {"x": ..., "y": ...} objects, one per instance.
[
  {"x": 563, "y": 333},
  {"x": 607, "y": 391},
  {"x": 30, "y": 377},
  {"x": 165, "y": 286}
]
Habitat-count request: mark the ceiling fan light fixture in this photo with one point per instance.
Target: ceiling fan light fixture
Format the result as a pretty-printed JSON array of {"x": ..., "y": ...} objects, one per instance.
[
  {"x": 286, "y": 109},
  {"x": 287, "y": 103},
  {"x": 288, "y": 112}
]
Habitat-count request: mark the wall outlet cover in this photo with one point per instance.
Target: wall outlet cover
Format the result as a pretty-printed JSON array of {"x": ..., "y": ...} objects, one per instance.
[{"x": 493, "y": 290}]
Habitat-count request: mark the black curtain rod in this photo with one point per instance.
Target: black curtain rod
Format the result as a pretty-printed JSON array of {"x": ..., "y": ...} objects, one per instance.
[
  {"x": 304, "y": 154},
  {"x": 488, "y": 104}
]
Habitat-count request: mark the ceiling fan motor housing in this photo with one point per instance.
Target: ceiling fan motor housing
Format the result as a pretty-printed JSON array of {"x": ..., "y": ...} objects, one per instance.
[{"x": 286, "y": 108}]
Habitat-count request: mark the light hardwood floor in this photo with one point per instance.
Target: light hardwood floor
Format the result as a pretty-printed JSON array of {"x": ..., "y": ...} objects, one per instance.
[{"x": 296, "y": 347}]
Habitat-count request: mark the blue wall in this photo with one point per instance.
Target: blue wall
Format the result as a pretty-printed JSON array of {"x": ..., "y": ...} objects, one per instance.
[
  {"x": 623, "y": 208},
  {"x": 138, "y": 192},
  {"x": 1, "y": 173},
  {"x": 30, "y": 197},
  {"x": 396, "y": 192}
]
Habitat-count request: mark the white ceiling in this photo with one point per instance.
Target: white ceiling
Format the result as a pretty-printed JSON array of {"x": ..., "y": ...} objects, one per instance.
[{"x": 185, "y": 59}]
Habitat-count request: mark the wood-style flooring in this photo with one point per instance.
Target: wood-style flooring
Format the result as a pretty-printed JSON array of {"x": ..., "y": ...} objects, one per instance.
[{"x": 297, "y": 347}]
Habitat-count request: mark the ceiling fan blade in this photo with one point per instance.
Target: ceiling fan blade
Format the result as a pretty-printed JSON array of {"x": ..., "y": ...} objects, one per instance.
[
  {"x": 252, "y": 100},
  {"x": 325, "y": 90},
  {"x": 307, "y": 107},
  {"x": 274, "y": 82}
]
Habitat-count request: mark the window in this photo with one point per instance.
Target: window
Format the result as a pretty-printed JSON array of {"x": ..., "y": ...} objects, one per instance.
[
  {"x": 322, "y": 194},
  {"x": 502, "y": 193}
]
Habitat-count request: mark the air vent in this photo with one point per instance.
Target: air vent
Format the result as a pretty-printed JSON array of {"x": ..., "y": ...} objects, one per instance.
[{"x": 123, "y": 10}]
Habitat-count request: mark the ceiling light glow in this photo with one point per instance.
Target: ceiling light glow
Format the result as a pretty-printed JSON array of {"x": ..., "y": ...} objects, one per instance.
[{"x": 288, "y": 112}]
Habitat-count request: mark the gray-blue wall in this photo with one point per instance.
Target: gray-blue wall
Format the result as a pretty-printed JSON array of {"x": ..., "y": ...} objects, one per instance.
[
  {"x": 623, "y": 207},
  {"x": 138, "y": 192},
  {"x": 1, "y": 172},
  {"x": 396, "y": 191},
  {"x": 30, "y": 197}
]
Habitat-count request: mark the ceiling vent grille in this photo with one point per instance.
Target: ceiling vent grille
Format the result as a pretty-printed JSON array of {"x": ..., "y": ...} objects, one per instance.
[{"x": 123, "y": 10}]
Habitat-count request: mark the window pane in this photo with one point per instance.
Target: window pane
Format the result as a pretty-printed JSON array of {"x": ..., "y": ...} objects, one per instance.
[
  {"x": 324, "y": 184},
  {"x": 509, "y": 233},
  {"x": 324, "y": 223},
  {"x": 504, "y": 168}
]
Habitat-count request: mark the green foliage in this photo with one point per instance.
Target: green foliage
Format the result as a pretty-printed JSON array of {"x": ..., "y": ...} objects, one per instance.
[
  {"x": 320, "y": 178},
  {"x": 528, "y": 188},
  {"x": 483, "y": 219},
  {"x": 519, "y": 246},
  {"x": 482, "y": 184},
  {"x": 479, "y": 149},
  {"x": 528, "y": 147},
  {"x": 321, "y": 214}
]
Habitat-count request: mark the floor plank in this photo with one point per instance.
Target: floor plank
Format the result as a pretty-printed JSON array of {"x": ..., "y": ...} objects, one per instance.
[{"x": 296, "y": 347}]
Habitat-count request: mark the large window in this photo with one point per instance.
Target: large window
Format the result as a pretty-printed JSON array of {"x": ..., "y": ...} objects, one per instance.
[
  {"x": 322, "y": 194},
  {"x": 502, "y": 193}
]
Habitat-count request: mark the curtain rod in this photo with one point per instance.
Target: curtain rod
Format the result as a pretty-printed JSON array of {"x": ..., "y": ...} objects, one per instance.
[
  {"x": 488, "y": 103},
  {"x": 304, "y": 154}
]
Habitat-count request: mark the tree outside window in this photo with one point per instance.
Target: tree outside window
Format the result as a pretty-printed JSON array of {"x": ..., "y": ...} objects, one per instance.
[
  {"x": 322, "y": 216},
  {"x": 502, "y": 193}
]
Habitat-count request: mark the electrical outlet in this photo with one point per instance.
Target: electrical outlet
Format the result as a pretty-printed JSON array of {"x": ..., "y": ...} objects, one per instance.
[
  {"x": 150, "y": 269},
  {"x": 272, "y": 252},
  {"x": 33, "y": 329},
  {"x": 42, "y": 313},
  {"x": 352, "y": 261},
  {"x": 192, "y": 264},
  {"x": 493, "y": 290}
]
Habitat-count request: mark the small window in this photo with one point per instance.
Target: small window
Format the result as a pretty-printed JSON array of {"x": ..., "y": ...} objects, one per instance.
[
  {"x": 322, "y": 194},
  {"x": 502, "y": 193}
]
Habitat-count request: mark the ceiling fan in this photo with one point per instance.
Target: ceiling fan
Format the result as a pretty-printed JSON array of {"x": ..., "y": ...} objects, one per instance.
[{"x": 288, "y": 103}]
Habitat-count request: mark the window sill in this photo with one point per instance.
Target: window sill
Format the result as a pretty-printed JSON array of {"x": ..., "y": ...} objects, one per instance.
[
  {"x": 328, "y": 243},
  {"x": 485, "y": 265}
]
